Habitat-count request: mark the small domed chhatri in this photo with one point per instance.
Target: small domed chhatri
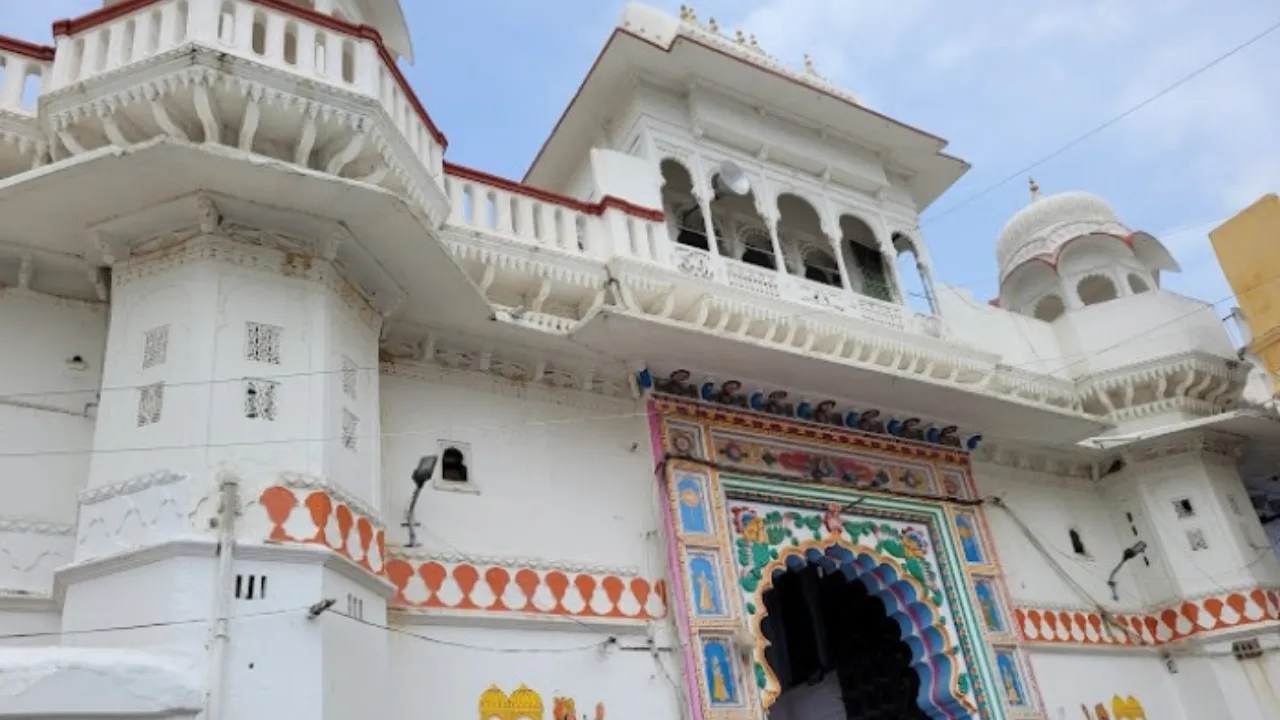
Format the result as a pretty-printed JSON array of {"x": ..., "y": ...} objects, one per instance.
[{"x": 1048, "y": 222}]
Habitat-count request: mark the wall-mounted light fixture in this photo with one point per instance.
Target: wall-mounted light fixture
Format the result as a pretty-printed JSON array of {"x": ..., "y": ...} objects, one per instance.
[
  {"x": 1130, "y": 553},
  {"x": 421, "y": 474}
]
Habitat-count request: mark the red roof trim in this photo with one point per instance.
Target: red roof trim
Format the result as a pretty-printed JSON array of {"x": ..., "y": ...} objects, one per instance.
[
  {"x": 107, "y": 14},
  {"x": 22, "y": 47},
  {"x": 1052, "y": 259},
  {"x": 770, "y": 71},
  {"x": 598, "y": 208}
]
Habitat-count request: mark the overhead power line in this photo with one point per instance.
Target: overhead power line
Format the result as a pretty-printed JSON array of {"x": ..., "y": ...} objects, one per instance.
[{"x": 1115, "y": 119}]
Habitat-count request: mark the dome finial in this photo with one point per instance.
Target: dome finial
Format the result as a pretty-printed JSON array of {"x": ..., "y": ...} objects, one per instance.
[{"x": 1035, "y": 189}]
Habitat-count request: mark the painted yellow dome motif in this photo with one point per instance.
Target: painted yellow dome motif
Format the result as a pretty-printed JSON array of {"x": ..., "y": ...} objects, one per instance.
[
  {"x": 494, "y": 704},
  {"x": 526, "y": 703},
  {"x": 1127, "y": 708}
]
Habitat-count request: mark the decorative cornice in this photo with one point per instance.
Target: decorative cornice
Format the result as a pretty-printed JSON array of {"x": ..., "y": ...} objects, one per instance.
[
  {"x": 1029, "y": 458},
  {"x": 136, "y": 484},
  {"x": 303, "y": 481},
  {"x": 242, "y": 253},
  {"x": 544, "y": 379},
  {"x": 1190, "y": 619},
  {"x": 510, "y": 562},
  {"x": 1206, "y": 442},
  {"x": 31, "y": 526},
  {"x": 53, "y": 300}
]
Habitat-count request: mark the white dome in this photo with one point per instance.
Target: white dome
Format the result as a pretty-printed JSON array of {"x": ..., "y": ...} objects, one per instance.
[{"x": 1036, "y": 229}]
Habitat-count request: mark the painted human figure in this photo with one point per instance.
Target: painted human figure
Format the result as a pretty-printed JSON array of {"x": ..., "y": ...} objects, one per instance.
[
  {"x": 706, "y": 599},
  {"x": 719, "y": 686},
  {"x": 988, "y": 603},
  {"x": 968, "y": 540}
]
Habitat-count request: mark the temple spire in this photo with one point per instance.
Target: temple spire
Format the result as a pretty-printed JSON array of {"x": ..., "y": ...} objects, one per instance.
[{"x": 1035, "y": 189}]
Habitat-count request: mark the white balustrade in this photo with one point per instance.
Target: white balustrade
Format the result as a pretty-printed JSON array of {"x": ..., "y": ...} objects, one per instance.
[
  {"x": 503, "y": 210},
  {"x": 22, "y": 79},
  {"x": 745, "y": 276},
  {"x": 316, "y": 48}
]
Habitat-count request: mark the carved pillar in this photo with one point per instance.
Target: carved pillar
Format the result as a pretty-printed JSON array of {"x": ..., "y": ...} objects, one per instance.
[{"x": 703, "y": 193}]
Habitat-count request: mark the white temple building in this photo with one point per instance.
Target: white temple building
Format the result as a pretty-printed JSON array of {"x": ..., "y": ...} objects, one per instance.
[{"x": 299, "y": 420}]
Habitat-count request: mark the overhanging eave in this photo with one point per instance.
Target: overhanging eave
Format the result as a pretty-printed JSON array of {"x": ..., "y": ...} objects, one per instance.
[{"x": 671, "y": 344}]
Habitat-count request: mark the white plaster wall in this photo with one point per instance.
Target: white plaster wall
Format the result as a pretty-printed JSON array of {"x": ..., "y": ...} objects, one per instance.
[
  {"x": 1022, "y": 342},
  {"x": 355, "y": 653},
  {"x": 276, "y": 656},
  {"x": 1213, "y": 684},
  {"x": 1069, "y": 679},
  {"x": 1140, "y": 327},
  {"x": 1050, "y": 507},
  {"x": 44, "y": 430},
  {"x": 40, "y": 627},
  {"x": 436, "y": 677},
  {"x": 1230, "y": 560},
  {"x": 203, "y": 425},
  {"x": 560, "y": 475}
]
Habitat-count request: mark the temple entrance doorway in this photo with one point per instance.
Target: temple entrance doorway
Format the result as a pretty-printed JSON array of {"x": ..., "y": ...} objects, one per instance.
[{"x": 835, "y": 651}]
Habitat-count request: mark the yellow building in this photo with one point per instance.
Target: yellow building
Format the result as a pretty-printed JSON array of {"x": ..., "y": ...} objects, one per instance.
[{"x": 1250, "y": 258}]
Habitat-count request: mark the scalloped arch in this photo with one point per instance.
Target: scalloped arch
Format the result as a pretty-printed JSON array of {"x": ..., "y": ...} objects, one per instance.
[
  {"x": 1147, "y": 249},
  {"x": 905, "y": 601}
]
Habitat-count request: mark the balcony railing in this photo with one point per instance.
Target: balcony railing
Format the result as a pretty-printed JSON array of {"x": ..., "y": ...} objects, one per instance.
[
  {"x": 319, "y": 48},
  {"x": 24, "y": 69},
  {"x": 527, "y": 216},
  {"x": 698, "y": 263}
]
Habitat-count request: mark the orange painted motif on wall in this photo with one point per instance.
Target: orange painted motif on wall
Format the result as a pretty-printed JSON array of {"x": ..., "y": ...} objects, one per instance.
[
  {"x": 499, "y": 588},
  {"x": 314, "y": 517},
  {"x": 1170, "y": 624}
]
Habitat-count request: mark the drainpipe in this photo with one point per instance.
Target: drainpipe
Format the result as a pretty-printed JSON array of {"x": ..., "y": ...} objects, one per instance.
[{"x": 220, "y": 639}]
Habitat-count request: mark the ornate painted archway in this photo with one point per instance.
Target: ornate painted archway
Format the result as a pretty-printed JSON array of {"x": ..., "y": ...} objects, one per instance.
[
  {"x": 746, "y": 495},
  {"x": 943, "y": 692}
]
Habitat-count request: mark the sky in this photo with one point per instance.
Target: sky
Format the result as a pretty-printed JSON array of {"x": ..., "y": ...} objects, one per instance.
[{"x": 1007, "y": 83}]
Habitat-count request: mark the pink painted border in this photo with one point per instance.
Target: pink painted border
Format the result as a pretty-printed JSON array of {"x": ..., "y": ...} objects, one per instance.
[{"x": 676, "y": 585}]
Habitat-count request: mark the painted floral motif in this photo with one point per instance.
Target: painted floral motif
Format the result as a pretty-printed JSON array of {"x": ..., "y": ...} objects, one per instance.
[
  {"x": 759, "y": 538},
  {"x": 863, "y": 470}
]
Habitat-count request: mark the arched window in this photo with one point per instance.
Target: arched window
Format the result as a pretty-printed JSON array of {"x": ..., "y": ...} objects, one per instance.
[
  {"x": 1137, "y": 284},
  {"x": 682, "y": 207},
  {"x": 453, "y": 465},
  {"x": 917, "y": 290},
  {"x": 799, "y": 229},
  {"x": 691, "y": 229},
  {"x": 867, "y": 268},
  {"x": 819, "y": 266},
  {"x": 1049, "y": 308},
  {"x": 1096, "y": 289},
  {"x": 757, "y": 248}
]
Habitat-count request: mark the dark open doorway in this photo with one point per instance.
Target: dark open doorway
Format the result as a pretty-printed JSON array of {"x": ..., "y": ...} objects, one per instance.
[{"x": 835, "y": 651}]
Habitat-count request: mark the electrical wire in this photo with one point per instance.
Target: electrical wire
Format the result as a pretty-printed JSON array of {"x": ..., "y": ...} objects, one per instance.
[
  {"x": 144, "y": 626},
  {"x": 1114, "y": 120},
  {"x": 565, "y": 421},
  {"x": 51, "y": 393},
  {"x": 607, "y": 642}
]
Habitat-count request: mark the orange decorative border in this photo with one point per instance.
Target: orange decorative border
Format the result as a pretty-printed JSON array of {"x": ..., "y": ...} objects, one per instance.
[
  {"x": 1170, "y": 624},
  {"x": 328, "y": 521},
  {"x": 461, "y": 585}
]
